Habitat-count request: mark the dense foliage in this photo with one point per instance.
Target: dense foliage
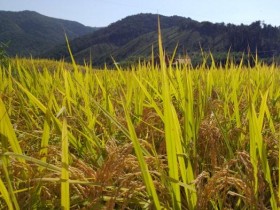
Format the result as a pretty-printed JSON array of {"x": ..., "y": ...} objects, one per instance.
[
  {"x": 4, "y": 58},
  {"x": 133, "y": 37}
]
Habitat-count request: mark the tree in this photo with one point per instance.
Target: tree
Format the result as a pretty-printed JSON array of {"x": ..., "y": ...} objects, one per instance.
[{"x": 4, "y": 58}]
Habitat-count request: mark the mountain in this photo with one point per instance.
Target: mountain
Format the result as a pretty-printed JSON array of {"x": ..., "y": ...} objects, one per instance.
[
  {"x": 30, "y": 33},
  {"x": 133, "y": 37},
  {"x": 107, "y": 41}
]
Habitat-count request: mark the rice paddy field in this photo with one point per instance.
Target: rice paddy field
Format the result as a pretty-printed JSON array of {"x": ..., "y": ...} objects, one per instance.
[{"x": 142, "y": 138}]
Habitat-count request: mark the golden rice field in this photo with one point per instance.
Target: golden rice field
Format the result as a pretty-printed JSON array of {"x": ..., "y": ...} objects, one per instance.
[
  {"x": 142, "y": 138},
  {"x": 181, "y": 138}
]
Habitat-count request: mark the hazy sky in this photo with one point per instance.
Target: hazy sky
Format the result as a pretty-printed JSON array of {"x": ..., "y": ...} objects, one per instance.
[{"x": 104, "y": 12}]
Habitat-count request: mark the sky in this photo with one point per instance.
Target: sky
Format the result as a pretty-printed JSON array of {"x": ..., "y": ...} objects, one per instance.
[{"x": 99, "y": 13}]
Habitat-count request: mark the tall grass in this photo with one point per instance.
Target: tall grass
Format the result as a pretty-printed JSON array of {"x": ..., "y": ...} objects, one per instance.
[{"x": 149, "y": 137}]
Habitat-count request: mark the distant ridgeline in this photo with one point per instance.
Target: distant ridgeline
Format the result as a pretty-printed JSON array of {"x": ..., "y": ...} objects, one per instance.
[
  {"x": 133, "y": 38},
  {"x": 29, "y": 33}
]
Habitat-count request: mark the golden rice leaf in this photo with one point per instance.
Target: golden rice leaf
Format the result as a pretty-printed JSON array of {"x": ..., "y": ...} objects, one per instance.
[
  {"x": 33, "y": 160},
  {"x": 5, "y": 195},
  {"x": 46, "y": 135},
  {"x": 171, "y": 135},
  {"x": 32, "y": 98},
  {"x": 143, "y": 165},
  {"x": 65, "y": 191},
  {"x": 7, "y": 133},
  {"x": 5, "y": 166},
  {"x": 258, "y": 146}
]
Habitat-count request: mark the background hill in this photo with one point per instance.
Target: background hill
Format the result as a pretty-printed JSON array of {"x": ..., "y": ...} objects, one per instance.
[
  {"x": 29, "y": 32},
  {"x": 118, "y": 39},
  {"x": 133, "y": 37}
]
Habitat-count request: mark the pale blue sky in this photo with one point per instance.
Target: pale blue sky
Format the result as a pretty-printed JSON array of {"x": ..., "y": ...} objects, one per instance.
[{"x": 104, "y": 12}]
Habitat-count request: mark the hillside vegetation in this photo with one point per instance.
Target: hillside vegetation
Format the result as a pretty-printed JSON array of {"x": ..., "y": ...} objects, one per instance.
[
  {"x": 133, "y": 37},
  {"x": 30, "y": 33}
]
